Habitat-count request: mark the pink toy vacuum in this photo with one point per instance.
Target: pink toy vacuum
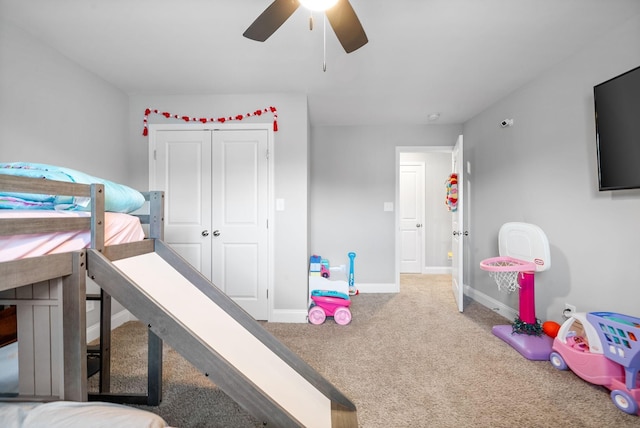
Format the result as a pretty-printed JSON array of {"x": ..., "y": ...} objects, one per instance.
[
  {"x": 524, "y": 250},
  {"x": 329, "y": 303}
]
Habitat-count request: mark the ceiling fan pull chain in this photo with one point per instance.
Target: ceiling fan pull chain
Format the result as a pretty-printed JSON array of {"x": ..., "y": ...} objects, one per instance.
[{"x": 324, "y": 43}]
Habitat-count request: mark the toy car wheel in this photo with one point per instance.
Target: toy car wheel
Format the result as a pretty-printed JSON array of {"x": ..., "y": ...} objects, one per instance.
[
  {"x": 557, "y": 361},
  {"x": 624, "y": 401},
  {"x": 317, "y": 315},
  {"x": 342, "y": 316}
]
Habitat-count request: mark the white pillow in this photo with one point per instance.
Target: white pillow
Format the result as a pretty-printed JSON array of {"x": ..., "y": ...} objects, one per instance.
[
  {"x": 69, "y": 414},
  {"x": 12, "y": 414}
]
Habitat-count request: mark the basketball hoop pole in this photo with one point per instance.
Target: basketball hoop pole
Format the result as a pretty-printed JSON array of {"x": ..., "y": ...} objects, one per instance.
[{"x": 527, "y": 297}]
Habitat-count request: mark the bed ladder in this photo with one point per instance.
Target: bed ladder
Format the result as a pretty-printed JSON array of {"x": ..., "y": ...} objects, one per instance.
[{"x": 99, "y": 356}]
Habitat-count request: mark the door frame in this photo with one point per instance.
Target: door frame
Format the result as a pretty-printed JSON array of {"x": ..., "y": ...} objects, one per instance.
[
  {"x": 458, "y": 246},
  {"x": 270, "y": 181},
  {"x": 398, "y": 241}
]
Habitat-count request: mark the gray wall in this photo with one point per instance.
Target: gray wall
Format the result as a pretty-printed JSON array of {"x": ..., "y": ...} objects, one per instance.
[
  {"x": 353, "y": 172},
  {"x": 543, "y": 171},
  {"x": 54, "y": 112}
]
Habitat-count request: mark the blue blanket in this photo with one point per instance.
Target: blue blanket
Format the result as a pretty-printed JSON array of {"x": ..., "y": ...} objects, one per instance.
[{"x": 118, "y": 197}]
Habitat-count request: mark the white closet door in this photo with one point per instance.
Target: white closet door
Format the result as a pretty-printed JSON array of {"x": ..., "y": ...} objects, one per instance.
[
  {"x": 240, "y": 263},
  {"x": 216, "y": 197},
  {"x": 183, "y": 172}
]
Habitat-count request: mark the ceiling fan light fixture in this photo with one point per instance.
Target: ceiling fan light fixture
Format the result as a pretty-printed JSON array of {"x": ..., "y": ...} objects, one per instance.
[
  {"x": 318, "y": 5},
  {"x": 339, "y": 13}
]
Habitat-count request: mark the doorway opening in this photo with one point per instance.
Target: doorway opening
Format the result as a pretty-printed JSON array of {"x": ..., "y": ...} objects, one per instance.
[{"x": 423, "y": 225}]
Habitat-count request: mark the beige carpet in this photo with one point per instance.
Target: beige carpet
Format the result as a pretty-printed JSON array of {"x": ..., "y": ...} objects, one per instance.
[{"x": 406, "y": 360}]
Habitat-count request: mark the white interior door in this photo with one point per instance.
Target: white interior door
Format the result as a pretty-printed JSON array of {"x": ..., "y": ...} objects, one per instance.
[
  {"x": 458, "y": 229},
  {"x": 411, "y": 200},
  {"x": 216, "y": 197},
  {"x": 183, "y": 172},
  {"x": 240, "y": 265}
]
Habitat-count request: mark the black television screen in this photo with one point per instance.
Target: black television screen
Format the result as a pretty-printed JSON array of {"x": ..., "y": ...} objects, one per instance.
[{"x": 617, "y": 108}]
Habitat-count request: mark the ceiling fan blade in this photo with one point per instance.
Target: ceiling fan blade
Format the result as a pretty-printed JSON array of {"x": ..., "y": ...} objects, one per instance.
[
  {"x": 271, "y": 19},
  {"x": 346, "y": 25}
]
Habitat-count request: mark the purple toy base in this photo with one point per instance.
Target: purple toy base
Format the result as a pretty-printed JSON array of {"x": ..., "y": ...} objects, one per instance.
[{"x": 536, "y": 348}]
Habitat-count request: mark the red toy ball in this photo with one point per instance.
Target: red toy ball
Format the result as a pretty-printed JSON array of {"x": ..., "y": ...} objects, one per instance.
[{"x": 550, "y": 328}]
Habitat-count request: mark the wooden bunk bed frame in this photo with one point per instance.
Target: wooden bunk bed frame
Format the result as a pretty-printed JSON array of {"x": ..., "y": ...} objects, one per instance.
[{"x": 49, "y": 293}]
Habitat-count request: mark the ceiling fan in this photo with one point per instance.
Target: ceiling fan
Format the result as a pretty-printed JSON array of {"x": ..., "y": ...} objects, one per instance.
[{"x": 341, "y": 16}]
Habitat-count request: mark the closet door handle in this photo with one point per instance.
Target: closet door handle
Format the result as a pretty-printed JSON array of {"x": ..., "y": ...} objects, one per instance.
[
  {"x": 216, "y": 233},
  {"x": 205, "y": 233}
]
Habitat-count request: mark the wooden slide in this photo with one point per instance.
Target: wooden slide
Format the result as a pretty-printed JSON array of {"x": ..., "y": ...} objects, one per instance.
[{"x": 219, "y": 338}]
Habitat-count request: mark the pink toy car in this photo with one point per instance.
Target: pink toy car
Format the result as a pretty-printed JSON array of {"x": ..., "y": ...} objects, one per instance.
[
  {"x": 329, "y": 304},
  {"x": 602, "y": 348}
]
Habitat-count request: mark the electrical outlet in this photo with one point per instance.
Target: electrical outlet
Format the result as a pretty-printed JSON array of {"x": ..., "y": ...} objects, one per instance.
[{"x": 569, "y": 309}]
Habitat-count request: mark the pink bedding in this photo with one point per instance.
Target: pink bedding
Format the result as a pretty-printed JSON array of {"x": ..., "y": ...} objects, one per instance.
[{"x": 119, "y": 228}]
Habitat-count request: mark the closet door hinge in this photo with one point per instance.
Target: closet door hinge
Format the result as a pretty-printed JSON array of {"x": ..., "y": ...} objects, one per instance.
[
  {"x": 267, "y": 154},
  {"x": 155, "y": 154}
]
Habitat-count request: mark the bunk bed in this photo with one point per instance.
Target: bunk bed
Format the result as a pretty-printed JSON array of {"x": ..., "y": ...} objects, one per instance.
[
  {"x": 146, "y": 275},
  {"x": 43, "y": 276}
]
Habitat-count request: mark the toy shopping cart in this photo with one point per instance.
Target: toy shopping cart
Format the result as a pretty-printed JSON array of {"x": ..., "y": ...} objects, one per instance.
[{"x": 619, "y": 335}]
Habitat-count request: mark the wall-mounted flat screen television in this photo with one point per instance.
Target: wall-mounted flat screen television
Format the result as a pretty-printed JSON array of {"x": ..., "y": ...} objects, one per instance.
[{"x": 617, "y": 109}]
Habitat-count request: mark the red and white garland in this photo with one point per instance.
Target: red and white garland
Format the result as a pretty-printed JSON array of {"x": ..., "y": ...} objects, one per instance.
[{"x": 168, "y": 115}]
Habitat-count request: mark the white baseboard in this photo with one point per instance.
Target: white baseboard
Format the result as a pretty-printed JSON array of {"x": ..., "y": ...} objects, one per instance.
[
  {"x": 93, "y": 331},
  {"x": 491, "y": 303},
  {"x": 377, "y": 288},
  {"x": 289, "y": 316},
  {"x": 437, "y": 270}
]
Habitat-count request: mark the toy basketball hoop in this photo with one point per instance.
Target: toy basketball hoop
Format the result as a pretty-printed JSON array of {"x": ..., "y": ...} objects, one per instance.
[
  {"x": 505, "y": 270},
  {"x": 524, "y": 250}
]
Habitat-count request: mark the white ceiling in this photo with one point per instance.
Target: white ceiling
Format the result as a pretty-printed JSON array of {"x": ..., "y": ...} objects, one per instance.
[{"x": 454, "y": 57}]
